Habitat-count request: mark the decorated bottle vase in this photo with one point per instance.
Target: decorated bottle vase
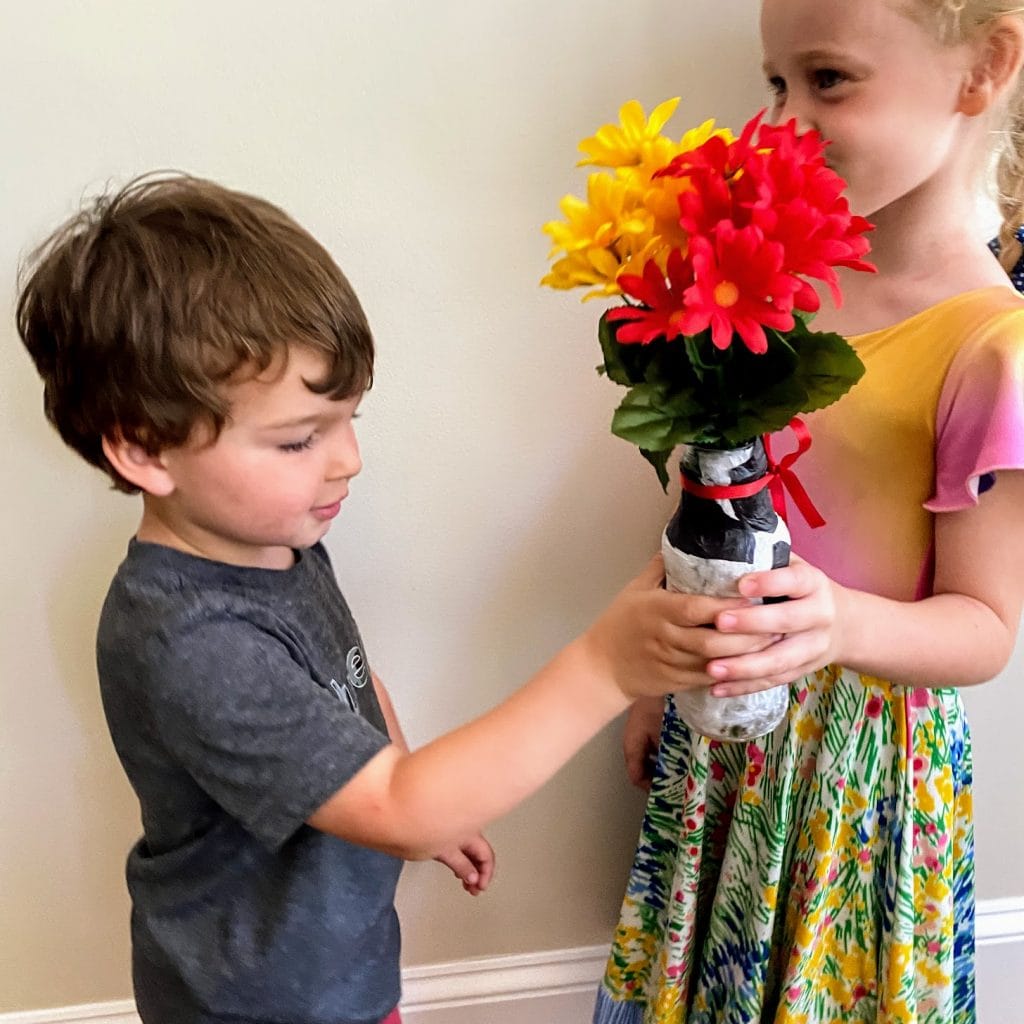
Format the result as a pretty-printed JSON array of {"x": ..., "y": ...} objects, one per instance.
[{"x": 708, "y": 545}]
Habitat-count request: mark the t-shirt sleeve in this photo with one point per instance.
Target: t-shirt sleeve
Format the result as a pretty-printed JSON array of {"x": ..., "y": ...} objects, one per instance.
[
  {"x": 980, "y": 416},
  {"x": 258, "y": 734}
]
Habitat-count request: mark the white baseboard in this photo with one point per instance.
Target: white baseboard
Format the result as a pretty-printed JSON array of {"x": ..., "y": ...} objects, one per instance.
[
  {"x": 557, "y": 986},
  {"x": 999, "y": 921},
  {"x": 501, "y": 979}
]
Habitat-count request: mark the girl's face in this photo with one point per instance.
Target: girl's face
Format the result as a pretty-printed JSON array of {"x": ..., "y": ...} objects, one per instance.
[{"x": 873, "y": 82}]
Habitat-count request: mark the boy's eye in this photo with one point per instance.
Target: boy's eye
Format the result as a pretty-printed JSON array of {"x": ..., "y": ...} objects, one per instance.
[{"x": 297, "y": 446}]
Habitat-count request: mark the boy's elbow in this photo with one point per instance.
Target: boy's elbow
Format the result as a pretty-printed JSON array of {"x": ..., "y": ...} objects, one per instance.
[
  {"x": 413, "y": 851},
  {"x": 370, "y": 811},
  {"x": 392, "y": 841}
]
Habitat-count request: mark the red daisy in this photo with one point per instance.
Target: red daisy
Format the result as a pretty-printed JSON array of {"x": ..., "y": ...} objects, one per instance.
[
  {"x": 662, "y": 313},
  {"x": 739, "y": 287}
]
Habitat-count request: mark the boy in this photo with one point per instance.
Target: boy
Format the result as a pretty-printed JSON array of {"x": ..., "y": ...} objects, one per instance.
[{"x": 203, "y": 350}]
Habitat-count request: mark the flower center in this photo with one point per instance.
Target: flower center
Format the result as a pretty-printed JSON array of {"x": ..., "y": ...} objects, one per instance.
[{"x": 726, "y": 294}]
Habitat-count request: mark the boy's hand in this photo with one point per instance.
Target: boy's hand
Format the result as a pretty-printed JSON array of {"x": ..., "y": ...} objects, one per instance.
[
  {"x": 806, "y": 625},
  {"x": 472, "y": 862},
  {"x": 653, "y": 642},
  {"x": 640, "y": 739}
]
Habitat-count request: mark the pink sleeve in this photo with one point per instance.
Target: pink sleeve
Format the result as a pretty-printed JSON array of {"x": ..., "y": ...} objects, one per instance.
[{"x": 979, "y": 423}]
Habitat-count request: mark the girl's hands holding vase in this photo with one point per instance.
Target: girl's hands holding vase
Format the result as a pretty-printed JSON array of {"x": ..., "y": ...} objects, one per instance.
[{"x": 805, "y": 625}]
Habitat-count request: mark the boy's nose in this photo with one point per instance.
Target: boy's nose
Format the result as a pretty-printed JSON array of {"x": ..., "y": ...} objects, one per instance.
[{"x": 345, "y": 462}]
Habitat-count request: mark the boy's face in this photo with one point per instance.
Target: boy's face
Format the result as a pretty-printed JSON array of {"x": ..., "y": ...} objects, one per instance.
[{"x": 273, "y": 479}]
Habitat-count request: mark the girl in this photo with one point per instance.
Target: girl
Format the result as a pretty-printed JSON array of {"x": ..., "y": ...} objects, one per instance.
[{"x": 825, "y": 873}]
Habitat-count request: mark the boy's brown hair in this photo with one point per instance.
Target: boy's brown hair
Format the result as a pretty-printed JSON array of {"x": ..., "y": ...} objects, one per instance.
[{"x": 138, "y": 309}]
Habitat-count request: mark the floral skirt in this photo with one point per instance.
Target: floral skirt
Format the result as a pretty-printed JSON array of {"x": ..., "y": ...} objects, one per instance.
[{"x": 824, "y": 873}]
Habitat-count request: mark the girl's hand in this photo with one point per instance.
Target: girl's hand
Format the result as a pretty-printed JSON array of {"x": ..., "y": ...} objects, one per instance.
[
  {"x": 472, "y": 863},
  {"x": 806, "y": 625},
  {"x": 640, "y": 739},
  {"x": 652, "y": 642}
]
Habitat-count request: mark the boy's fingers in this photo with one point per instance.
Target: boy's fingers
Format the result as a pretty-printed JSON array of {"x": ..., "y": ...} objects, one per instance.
[
  {"x": 484, "y": 861},
  {"x": 698, "y": 610},
  {"x": 694, "y": 646},
  {"x": 715, "y": 646},
  {"x": 653, "y": 574},
  {"x": 481, "y": 853},
  {"x": 486, "y": 874},
  {"x": 461, "y": 866}
]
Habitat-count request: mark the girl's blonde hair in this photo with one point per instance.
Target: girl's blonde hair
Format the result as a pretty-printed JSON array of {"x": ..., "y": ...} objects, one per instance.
[{"x": 958, "y": 21}]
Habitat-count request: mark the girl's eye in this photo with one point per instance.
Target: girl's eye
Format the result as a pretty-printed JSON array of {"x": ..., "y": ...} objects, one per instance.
[
  {"x": 777, "y": 86},
  {"x": 827, "y": 78},
  {"x": 297, "y": 446}
]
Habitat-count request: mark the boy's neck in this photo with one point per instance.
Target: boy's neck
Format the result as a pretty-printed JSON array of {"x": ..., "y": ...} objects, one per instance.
[{"x": 157, "y": 526}]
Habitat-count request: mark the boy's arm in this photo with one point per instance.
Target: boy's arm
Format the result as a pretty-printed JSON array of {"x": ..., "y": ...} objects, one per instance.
[
  {"x": 472, "y": 859},
  {"x": 387, "y": 709},
  {"x": 414, "y": 805}
]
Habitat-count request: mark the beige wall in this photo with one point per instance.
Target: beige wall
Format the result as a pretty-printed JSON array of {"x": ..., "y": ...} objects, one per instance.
[{"x": 425, "y": 144}]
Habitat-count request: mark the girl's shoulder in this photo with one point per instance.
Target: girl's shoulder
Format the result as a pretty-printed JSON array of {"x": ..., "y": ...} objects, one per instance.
[{"x": 991, "y": 313}]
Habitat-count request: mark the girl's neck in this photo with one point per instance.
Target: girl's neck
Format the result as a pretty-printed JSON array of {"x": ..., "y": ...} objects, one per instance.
[{"x": 926, "y": 251}]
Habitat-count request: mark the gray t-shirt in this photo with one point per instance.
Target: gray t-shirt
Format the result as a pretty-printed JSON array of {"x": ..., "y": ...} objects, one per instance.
[{"x": 239, "y": 700}]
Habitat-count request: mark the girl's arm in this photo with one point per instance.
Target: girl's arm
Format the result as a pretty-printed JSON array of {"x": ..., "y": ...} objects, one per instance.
[
  {"x": 962, "y": 635},
  {"x": 416, "y": 805},
  {"x": 640, "y": 738}
]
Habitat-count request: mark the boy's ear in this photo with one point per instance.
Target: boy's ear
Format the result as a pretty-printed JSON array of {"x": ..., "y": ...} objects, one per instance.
[
  {"x": 998, "y": 57},
  {"x": 137, "y": 466}
]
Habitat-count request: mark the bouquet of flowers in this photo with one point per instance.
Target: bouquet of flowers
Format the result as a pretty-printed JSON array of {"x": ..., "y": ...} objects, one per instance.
[{"x": 710, "y": 241}]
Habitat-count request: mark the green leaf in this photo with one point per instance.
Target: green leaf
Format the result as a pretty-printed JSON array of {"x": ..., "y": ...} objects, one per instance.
[
  {"x": 659, "y": 460},
  {"x": 827, "y": 369},
  {"x": 687, "y": 391},
  {"x": 703, "y": 356},
  {"x": 624, "y": 364},
  {"x": 771, "y": 411},
  {"x": 639, "y": 419}
]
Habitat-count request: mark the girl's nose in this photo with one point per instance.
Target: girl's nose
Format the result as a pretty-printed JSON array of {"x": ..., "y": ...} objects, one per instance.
[{"x": 792, "y": 110}]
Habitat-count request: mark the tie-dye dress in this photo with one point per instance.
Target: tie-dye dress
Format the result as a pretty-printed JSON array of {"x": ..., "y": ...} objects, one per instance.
[{"x": 824, "y": 873}]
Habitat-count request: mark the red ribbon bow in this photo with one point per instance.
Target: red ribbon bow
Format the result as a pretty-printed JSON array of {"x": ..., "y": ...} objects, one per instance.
[{"x": 780, "y": 478}]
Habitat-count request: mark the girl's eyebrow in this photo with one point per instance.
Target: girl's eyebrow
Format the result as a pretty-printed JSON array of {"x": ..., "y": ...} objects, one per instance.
[{"x": 819, "y": 54}]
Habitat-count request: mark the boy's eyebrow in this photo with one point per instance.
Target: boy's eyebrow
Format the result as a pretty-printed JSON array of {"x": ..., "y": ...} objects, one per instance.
[{"x": 299, "y": 421}]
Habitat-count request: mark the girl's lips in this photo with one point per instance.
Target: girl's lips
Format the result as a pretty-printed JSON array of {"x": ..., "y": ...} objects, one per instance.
[{"x": 327, "y": 511}]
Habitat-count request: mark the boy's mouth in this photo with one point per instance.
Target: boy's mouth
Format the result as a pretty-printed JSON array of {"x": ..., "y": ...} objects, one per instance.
[{"x": 327, "y": 511}]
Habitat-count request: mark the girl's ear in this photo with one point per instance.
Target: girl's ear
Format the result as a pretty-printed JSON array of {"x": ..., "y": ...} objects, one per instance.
[
  {"x": 998, "y": 55},
  {"x": 137, "y": 466}
]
